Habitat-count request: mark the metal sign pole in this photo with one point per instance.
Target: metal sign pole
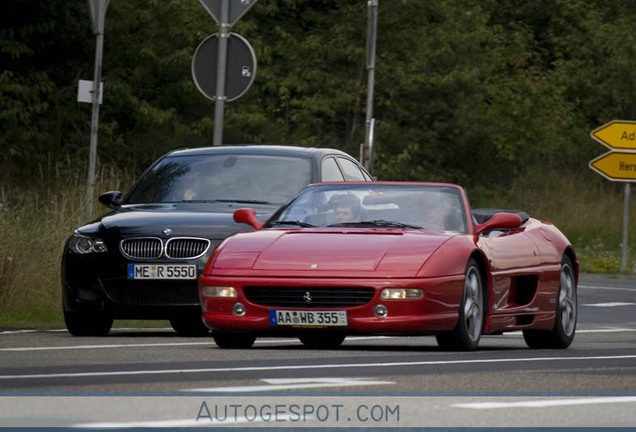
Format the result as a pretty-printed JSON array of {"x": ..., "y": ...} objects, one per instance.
[
  {"x": 372, "y": 23},
  {"x": 219, "y": 103},
  {"x": 98, "y": 14},
  {"x": 625, "y": 228}
]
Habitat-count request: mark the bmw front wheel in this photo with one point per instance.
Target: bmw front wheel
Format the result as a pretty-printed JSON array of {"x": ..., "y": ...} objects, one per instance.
[{"x": 88, "y": 324}]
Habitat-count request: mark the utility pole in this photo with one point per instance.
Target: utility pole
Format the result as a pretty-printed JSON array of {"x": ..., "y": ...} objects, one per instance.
[
  {"x": 219, "y": 104},
  {"x": 372, "y": 26},
  {"x": 98, "y": 16}
]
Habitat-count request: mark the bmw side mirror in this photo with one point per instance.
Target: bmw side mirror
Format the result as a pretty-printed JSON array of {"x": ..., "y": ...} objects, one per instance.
[
  {"x": 111, "y": 199},
  {"x": 247, "y": 216}
]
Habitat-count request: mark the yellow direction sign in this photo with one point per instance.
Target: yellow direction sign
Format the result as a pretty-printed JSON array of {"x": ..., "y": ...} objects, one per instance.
[
  {"x": 617, "y": 134},
  {"x": 616, "y": 166}
]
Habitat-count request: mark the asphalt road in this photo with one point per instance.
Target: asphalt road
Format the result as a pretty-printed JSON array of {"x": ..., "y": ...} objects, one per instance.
[{"x": 153, "y": 378}]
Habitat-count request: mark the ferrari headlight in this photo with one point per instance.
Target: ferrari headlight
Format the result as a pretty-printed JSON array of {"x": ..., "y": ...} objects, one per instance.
[
  {"x": 402, "y": 293},
  {"x": 218, "y": 291},
  {"x": 84, "y": 245}
]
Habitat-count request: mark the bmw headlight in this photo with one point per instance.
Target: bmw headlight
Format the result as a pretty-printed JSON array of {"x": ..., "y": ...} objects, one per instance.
[{"x": 84, "y": 245}]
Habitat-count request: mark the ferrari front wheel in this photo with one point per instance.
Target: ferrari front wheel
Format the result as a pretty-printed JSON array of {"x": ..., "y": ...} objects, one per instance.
[
  {"x": 233, "y": 340},
  {"x": 466, "y": 334},
  {"x": 562, "y": 334}
]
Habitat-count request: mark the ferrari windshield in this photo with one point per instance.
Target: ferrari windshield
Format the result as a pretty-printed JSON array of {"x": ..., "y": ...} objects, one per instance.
[
  {"x": 375, "y": 205},
  {"x": 242, "y": 178}
]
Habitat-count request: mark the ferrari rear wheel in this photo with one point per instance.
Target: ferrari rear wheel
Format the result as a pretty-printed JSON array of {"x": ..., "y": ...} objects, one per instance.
[
  {"x": 189, "y": 325},
  {"x": 562, "y": 335},
  {"x": 322, "y": 340},
  {"x": 88, "y": 324},
  {"x": 466, "y": 334},
  {"x": 233, "y": 340}
]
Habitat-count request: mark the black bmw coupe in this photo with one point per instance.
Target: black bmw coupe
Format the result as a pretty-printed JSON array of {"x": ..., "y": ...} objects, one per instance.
[{"x": 142, "y": 259}]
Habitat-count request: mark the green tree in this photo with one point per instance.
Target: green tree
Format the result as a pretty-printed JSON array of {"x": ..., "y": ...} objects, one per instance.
[
  {"x": 477, "y": 92},
  {"x": 38, "y": 112}
]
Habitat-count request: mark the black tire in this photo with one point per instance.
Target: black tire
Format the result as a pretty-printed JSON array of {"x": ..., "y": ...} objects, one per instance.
[
  {"x": 322, "y": 340},
  {"x": 189, "y": 325},
  {"x": 88, "y": 324},
  {"x": 472, "y": 313},
  {"x": 562, "y": 335},
  {"x": 233, "y": 340}
]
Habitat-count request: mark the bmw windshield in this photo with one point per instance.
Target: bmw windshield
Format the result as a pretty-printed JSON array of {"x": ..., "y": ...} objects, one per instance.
[{"x": 222, "y": 177}]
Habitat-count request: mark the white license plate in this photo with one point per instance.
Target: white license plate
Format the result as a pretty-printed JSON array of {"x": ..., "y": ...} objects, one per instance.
[
  {"x": 162, "y": 271},
  {"x": 305, "y": 318}
]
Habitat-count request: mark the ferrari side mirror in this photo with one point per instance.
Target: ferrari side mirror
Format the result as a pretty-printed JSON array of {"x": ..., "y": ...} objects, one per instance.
[
  {"x": 247, "y": 216},
  {"x": 500, "y": 221}
]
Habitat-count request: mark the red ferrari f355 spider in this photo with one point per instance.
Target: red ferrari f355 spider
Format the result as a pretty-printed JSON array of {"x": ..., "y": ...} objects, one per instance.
[{"x": 391, "y": 258}]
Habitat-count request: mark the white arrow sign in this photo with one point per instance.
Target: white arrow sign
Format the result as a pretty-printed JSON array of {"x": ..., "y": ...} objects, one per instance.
[{"x": 296, "y": 383}]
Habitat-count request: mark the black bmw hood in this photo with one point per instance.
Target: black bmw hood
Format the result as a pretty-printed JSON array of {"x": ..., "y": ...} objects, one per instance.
[{"x": 199, "y": 220}]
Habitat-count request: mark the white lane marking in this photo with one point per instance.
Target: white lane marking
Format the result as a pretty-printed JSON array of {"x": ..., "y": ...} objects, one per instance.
[
  {"x": 167, "y": 344},
  {"x": 295, "y": 383},
  {"x": 172, "y": 423},
  {"x": 610, "y": 304},
  {"x": 314, "y": 366},
  {"x": 74, "y": 347},
  {"x": 7, "y": 332},
  {"x": 272, "y": 341},
  {"x": 606, "y": 288},
  {"x": 113, "y": 331},
  {"x": 607, "y": 330},
  {"x": 578, "y": 331},
  {"x": 546, "y": 403}
]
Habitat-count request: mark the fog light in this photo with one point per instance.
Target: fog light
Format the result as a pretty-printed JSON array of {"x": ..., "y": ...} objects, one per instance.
[
  {"x": 380, "y": 311},
  {"x": 218, "y": 291},
  {"x": 238, "y": 309},
  {"x": 401, "y": 293}
]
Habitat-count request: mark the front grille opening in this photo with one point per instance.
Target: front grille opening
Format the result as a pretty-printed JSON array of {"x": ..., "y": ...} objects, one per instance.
[
  {"x": 186, "y": 248},
  {"x": 142, "y": 248},
  {"x": 174, "y": 248},
  {"x": 308, "y": 297}
]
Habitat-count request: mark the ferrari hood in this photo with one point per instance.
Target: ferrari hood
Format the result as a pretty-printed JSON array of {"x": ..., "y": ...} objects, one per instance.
[
  {"x": 182, "y": 219},
  {"x": 327, "y": 253}
]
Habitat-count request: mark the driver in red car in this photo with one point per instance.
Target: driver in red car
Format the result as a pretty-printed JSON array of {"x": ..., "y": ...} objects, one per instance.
[{"x": 346, "y": 208}]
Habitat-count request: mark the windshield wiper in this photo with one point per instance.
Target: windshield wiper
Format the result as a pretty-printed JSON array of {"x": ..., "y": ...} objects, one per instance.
[
  {"x": 376, "y": 223},
  {"x": 299, "y": 223},
  {"x": 242, "y": 201}
]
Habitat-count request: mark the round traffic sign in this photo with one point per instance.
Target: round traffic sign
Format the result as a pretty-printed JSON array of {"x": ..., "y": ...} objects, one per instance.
[{"x": 240, "y": 69}]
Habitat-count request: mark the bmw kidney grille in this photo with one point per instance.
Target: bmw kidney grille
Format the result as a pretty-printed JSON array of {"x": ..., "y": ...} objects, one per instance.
[{"x": 174, "y": 248}]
